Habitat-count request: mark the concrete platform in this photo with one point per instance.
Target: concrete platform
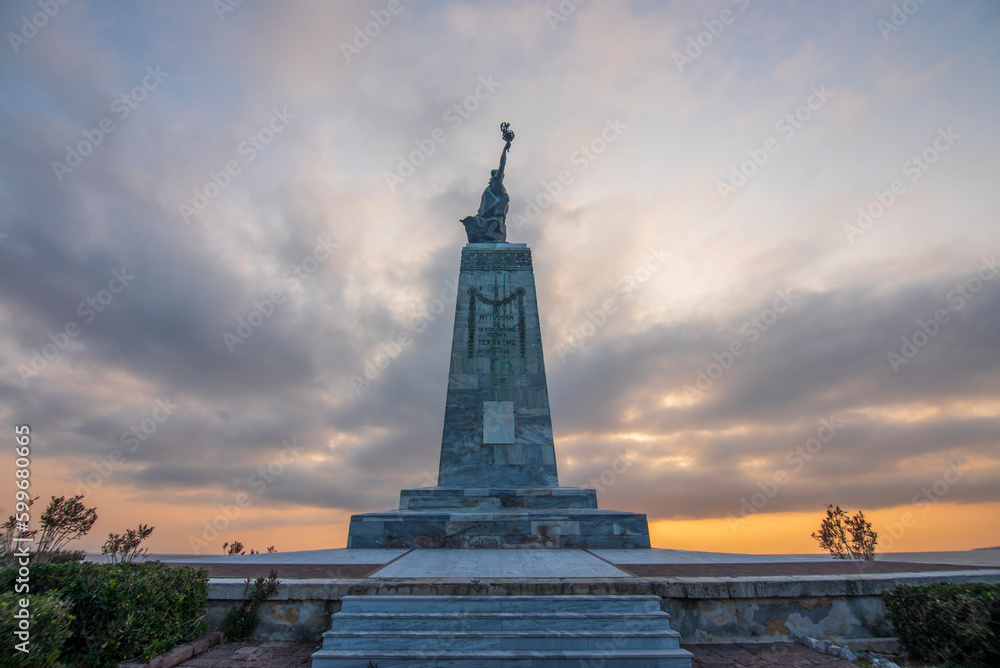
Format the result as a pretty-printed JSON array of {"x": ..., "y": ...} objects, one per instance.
[
  {"x": 459, "y": 564},
  {"x": 499, "y": 563},
  {"x": 664, "y": 556},
  {"x": 331, "y": 556},
  {"x": 383, "y": 556},
  {"x": 711, "y": 597}
]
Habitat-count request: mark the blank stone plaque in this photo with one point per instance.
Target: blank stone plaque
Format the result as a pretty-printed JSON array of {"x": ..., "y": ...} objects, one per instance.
[{"x": 498, "y": 422}]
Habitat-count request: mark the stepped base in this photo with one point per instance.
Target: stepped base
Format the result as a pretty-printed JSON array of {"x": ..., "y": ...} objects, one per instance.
[
  {"x": 498, "y": 517},
  {"x": 523, "y": 631},
  {"x": 580, "y": 529},
  {"x": 497, "y": 498}
]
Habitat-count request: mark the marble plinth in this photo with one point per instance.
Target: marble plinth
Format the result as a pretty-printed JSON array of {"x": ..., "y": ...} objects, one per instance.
[
  {"x": 496, "y": 498},
  {"x": 555, "y": 528},
  {"x": 497, "y": 427}
]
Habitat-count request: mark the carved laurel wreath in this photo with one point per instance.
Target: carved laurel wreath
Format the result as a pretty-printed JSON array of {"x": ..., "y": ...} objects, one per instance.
[
  {"x": 474, "y": 292},
  {"x": 476, "y": 295}
]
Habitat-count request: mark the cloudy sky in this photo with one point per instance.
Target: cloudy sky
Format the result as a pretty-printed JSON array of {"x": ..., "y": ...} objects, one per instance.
[{"x": 764, "y": 235}]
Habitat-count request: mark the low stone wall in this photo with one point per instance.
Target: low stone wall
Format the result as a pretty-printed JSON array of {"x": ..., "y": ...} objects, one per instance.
[
  {"x": 300, "y": 611},
  {"x": 761, "y": 609},
  {"x": 705, "y": 610}
]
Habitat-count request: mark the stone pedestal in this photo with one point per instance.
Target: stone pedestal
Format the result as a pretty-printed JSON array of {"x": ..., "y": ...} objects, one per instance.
[
  {"x": 497, "y": 429},
  {"x": 497, "y": 479}
]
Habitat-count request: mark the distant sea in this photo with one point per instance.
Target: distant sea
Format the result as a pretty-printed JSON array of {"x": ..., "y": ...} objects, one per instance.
[{"x": 981, "y": 557}]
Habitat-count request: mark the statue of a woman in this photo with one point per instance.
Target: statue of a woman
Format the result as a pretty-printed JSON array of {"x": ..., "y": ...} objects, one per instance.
[{"x": 489, "y": 224}]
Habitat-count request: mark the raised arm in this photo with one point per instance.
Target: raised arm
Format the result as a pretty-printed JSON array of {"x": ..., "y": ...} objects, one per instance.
[
  {"x": 508, "y": 137},
  {"x": 503, "y": 160}
]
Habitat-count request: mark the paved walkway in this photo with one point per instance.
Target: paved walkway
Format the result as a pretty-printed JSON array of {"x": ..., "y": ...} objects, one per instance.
[
  {"x": 744, "y": 655},
  {"x": 255, "y": 654},
  {"x": 538, "y": 563},
  {"x": 760, "y": 655},
  {"x": 527, "y": 563}
]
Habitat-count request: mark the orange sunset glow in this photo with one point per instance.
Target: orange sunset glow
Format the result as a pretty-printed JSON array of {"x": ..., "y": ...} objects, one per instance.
[{"x": 767, "y": 275}]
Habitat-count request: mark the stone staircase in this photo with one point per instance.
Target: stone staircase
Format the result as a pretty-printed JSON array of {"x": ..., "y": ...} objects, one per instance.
[{"x": 594, "y": 631}]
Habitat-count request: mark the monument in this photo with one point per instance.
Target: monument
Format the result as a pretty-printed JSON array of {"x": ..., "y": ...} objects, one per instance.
[
  {"x": 498, "y": 488},
  {"x": 497, "y": 481}
]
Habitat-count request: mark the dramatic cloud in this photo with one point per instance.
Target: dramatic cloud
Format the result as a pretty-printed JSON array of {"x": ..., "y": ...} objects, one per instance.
[{"x": 765, "y": 244}]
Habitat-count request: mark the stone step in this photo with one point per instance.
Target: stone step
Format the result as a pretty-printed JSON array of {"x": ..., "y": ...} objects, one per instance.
[
  {"x": 522, "y": 631},
  {"x": 496, "y": 498},
  {"x": 449, "y": 641},
  {"x": 583, "y": 604},
  {"x": 659, "y": 658},
  {"x": 502, "y": 621}
]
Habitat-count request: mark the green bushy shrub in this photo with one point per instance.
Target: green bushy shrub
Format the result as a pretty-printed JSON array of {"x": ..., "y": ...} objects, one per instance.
[
  {"x": 122, "y": 611},
  {"x": 953, "y": 624},
  {"x": 49, "y": 628}
]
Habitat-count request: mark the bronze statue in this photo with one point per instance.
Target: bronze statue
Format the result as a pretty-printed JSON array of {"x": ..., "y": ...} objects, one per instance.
[{"x": 489, "y": 224}]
